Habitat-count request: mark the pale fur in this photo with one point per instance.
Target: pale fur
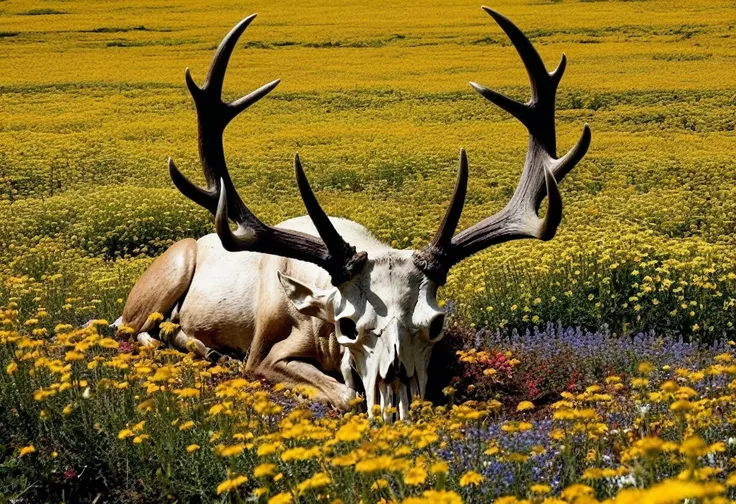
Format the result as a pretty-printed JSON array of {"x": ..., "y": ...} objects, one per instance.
[{"x": 281, "y": 312}]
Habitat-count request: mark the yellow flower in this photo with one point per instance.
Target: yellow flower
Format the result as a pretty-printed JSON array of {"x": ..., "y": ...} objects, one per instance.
[
  {"x": 300, "y": 453},
  {"x": 73, "y": 355},
  {"x": 731, "y": 480},
  {"x": 229, "y": 451},
  {"x": 167, "y": 329},
  {"x": 415, "y": 476},
  {"x": 280, "y": 498},
  {"x": 125, "y": 433},
  {"x": 442, "y": 497},
  {"x": 12, "y": 368},
  {"x": 192, "y": 448},
  {"x": 525, "y": 405},
  {"x": 540, "y": 489},
  {"x": 639, "y": 382},
  {"x": 672, "y": 490},
  {"x": 645, "y": 368},
  {"x": 188, "y": 393},
  {"x": 108, "y": 343},
  {"x": 265, "y": 469},
  {"x": 572, "y": 492},
  {"x": 317, "y": 481},
  {"x": 471, "y": 478},
  {"x": 380, "y": 463},
  {"x": 186, "y": 425},
  {"x": 441, "y": 467},
  {"x": 266, "y": 449},
  {"x": 67, "y": 409},
  {"x": 379, "y": 484},
  {"x": 681, "y": 405},
  {"x": 348, "y": 432},
  {"x": 155, "y": 317},
  {"x": 26, "y": 450},
  {"x": 163, "y": 374},
  {"x": 592, "y": 473},
  {"x": 230, "y": 484}
]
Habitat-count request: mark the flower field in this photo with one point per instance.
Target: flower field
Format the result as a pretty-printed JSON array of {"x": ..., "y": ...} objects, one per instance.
[{"x": 634, "y": 401}]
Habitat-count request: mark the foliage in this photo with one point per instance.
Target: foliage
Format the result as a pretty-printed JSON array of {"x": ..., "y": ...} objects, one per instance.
[
  {"x": 378, "y": 115},
  {"x": 87, "y": 416}
]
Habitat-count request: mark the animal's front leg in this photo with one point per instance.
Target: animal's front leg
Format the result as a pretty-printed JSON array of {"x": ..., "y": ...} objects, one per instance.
[{"x": 288, "y": 362}]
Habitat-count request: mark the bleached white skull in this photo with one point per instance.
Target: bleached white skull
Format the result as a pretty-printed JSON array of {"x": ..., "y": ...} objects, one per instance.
[{"x": 387, "y": 318}]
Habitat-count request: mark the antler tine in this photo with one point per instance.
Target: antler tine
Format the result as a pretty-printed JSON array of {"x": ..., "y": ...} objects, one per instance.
[
  {"x": 444, "y": 234},
  {"x": 542, "y": 170},
  {"x": 213, "y": 115},
  {"x": 567, "y": 162},
  {"x": 216, "y": 74},
  {"x": 537, "y": 114},
  {"x": 432, "y": 258},
  {"x": 331, "y": 253},
  {"x": 340, "y": 252}
]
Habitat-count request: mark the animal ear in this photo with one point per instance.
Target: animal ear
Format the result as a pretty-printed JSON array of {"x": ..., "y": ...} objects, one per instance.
[{"x": 308, "y": 299}]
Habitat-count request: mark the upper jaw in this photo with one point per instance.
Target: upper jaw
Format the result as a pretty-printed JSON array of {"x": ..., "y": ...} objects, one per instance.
[{"x": 393, "y": 392}]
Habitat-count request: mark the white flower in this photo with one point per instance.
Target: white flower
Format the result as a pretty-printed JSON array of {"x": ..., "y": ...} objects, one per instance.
[{"x": 625, "y": 481}]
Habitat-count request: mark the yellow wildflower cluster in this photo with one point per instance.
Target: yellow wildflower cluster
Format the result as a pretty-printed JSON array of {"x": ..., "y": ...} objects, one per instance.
[
  {"x": 648, "y": 236},
  {"x": 268, "y": 443}
]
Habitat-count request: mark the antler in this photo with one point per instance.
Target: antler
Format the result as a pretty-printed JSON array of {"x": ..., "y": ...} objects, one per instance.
[
  {"x": 330, "y": 252},
  {"x": 542, "y": 171}
]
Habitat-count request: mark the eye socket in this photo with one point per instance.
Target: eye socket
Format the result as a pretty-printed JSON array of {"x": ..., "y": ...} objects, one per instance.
[
  {"x": 436, "y": 327},
  {"x": 347, "y": 328}
]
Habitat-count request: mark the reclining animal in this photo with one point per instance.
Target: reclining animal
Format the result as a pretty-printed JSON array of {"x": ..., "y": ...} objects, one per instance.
[{"x": 318, "y": 300}]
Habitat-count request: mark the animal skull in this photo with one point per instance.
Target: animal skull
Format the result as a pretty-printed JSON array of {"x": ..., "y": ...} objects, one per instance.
[{"x": 387, "y": 319}]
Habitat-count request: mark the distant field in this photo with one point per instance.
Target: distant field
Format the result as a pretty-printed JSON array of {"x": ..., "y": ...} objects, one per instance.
[{"x": 374, "y": 97}]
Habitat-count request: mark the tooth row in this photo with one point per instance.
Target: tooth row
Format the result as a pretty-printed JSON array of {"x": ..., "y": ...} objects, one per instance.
[{"x": 399, "y": 396}]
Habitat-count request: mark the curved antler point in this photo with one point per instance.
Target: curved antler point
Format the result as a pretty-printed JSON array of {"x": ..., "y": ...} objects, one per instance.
[
  {"x": 248, "y": 19},
  {"x": 193, "y": 87},
  {"x": 479, "y": 88},
  {"x": 221, "y": 219}
]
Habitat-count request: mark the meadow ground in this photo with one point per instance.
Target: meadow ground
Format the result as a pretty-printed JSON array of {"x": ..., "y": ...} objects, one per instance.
[{"x": 374, "y": 97}]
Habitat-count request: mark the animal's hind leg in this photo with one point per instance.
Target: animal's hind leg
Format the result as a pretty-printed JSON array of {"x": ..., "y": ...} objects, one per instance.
[{"x": 161, "y": 285}]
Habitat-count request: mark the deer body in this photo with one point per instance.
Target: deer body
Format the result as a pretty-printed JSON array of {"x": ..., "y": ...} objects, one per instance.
[
  {"x": 317, "y": 299},
  {"x": 234, "y": 303}
]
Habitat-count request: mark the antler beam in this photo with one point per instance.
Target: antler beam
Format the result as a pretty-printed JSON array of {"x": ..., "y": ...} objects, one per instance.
[
  {"x": 542, "y": 170},
  {"x": 329, "y": 251}
]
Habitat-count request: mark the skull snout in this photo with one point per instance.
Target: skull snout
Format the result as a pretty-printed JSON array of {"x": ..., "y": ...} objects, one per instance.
[{"x": 395, "y": 389}]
